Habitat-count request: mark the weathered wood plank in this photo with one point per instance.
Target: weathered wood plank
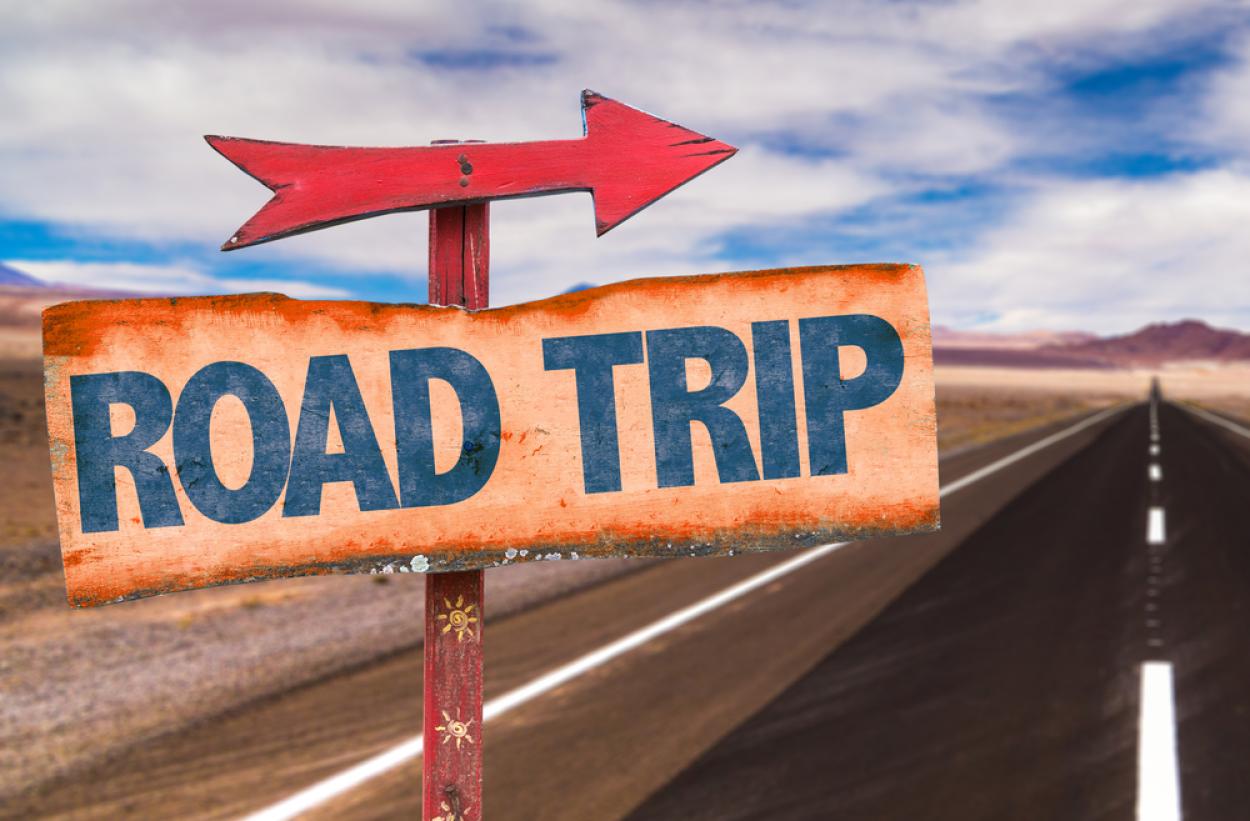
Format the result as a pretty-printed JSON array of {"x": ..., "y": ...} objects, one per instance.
[{"x": 640, "y": 460}]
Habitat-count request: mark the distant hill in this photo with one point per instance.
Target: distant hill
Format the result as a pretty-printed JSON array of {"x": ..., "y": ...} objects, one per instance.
[
  {"x": 949, "y": 338},
  {"x": 12, "y": 276},
  {"x": 1189, "y": 340},
  {"x": 1012, "y": 357},
  {"x": 1024, "y": 349}
]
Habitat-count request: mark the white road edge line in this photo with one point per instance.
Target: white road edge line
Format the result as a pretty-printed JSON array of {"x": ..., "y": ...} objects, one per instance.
[
  {"x": 1156, "y": 533},
  {"x": 1219, "y": 420},
  {"x": 406, "y": 751},
  {"x": 1158, "y": 774},
  {"x": 1024, "y": 453}
]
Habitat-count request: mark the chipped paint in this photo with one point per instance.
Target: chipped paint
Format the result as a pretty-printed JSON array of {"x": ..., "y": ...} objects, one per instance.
[{"x": 534, "y": 506}]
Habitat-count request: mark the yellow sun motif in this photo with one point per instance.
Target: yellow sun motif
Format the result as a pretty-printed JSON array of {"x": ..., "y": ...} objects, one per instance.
[
  {"x": 448, "y": 815},
  {"x": 459, "y": 618},
  {"x": 455, "y": 728}
]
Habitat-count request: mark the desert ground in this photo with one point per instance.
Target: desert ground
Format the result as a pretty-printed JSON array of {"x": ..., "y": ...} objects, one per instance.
[{"x": 81, "y": 685}]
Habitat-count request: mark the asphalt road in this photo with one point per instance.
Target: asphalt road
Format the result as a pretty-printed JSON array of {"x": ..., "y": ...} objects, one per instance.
[
  {"x": 1005, "y": 683},
  {"x": 987, "y": 671}
]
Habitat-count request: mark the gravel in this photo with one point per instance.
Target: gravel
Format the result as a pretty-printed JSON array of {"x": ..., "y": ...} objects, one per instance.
[{"x": 77, "y": 686}]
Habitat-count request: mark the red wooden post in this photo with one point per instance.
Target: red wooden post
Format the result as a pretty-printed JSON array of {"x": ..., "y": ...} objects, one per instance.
[
  {"x": 460, "y": 256},
  {"x": 627, "y": 158},
  {"x": 452, "y": 763}
]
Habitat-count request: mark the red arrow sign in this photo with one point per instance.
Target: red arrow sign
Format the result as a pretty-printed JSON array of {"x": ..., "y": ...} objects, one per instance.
[{"x": 628, "y": 159}]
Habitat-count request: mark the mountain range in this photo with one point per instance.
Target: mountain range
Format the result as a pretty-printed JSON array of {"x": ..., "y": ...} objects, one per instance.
[
  {"x": 1190, "y": 340},
  {"x": 950, "y": 338},
  {"x": 23, "y": 297},
  {"x": 12, "y": 276}
]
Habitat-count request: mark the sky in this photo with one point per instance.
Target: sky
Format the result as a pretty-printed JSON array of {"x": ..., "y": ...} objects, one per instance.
[{"x": 1053, "y": 164}]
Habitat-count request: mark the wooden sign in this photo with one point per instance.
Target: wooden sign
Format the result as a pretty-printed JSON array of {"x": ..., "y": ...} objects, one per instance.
[{"x": 208, "y": 440}]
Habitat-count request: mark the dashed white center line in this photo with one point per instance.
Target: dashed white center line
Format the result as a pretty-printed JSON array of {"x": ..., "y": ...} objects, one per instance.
[
  {"x": 1158, "y": 776},
  {"x": 1154, "y": 527}
]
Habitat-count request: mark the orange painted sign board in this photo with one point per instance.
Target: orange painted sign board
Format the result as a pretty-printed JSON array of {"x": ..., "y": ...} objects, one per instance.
[{"x": 209, "y": 440}]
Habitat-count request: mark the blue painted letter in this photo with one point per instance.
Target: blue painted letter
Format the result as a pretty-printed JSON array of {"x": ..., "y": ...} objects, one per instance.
[
  {"x": 774, "y": 390},
  {"x": 411, "y": 372},
  {"x": 592, "y": 359},
  {"x": 271, "y": 442},
  {"x": 674, "y": 406},
  {"x": 331, "y": 384},
  {"x": 98, "y": 451},
  {"x": 828, "y": 396}
]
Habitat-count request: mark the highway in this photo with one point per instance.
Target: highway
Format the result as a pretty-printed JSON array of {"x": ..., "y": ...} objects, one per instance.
[
  {"x": 1006, "y": 683},
  {"x": 992, "y": 670}
]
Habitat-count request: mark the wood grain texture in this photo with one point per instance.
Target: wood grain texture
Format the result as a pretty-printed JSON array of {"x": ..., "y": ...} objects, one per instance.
[
  {"x": 452, "y": 765},
  {"x": 451, "y": 768},
  {"x": 627, "y": 158},
  {"x": 459, "y": 266}
]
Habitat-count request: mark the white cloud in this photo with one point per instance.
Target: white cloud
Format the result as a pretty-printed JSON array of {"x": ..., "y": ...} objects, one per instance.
[
  {"x": 290, "y": 287},
  {"x": 163, "y": 279},
  {"x": 1225, "y": 115},
  {"x": 1134, "y": 252},
  {"x": 105, "y": 104},
  {"x": 103, "y": 120},
  {"x": 998, "y": 23}
]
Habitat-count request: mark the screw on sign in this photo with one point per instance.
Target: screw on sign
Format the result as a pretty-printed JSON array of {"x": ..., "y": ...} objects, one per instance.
[{"x": 467, "y": 439}]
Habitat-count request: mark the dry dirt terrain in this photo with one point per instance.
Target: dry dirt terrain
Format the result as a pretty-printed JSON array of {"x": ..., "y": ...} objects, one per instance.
[
  {"x": 1230, "y": 405},
  {"x": 1194, "y": 381},
  {"x": 970, "y": 415}
]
